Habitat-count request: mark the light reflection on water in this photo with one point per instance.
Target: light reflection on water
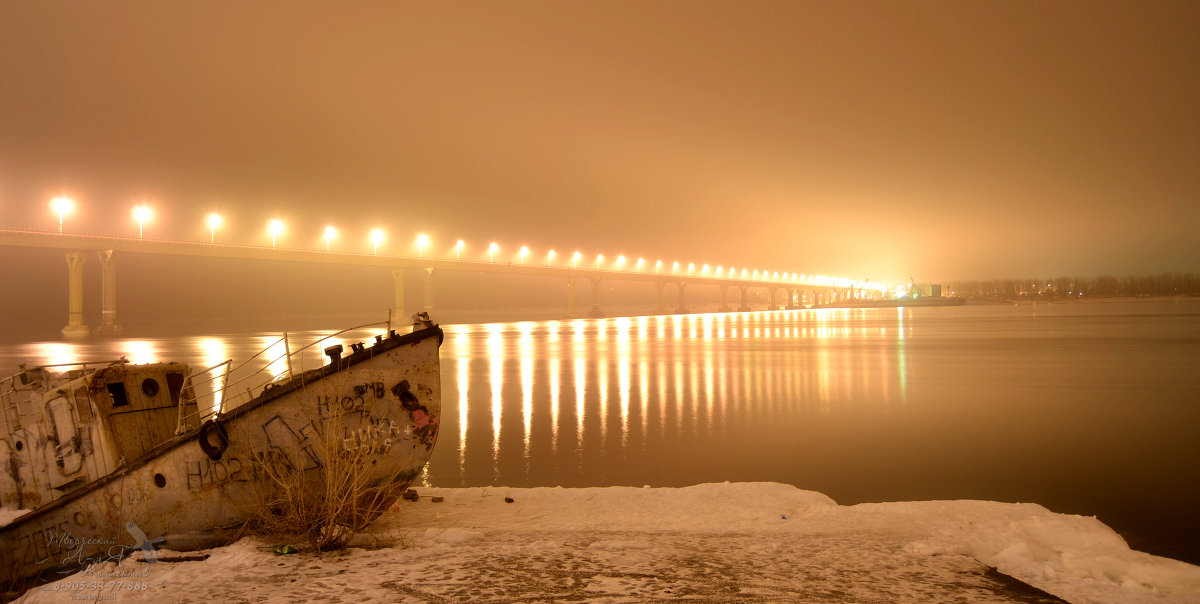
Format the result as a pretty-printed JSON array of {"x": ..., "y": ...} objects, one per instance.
[{"x": 644, "y": 383}]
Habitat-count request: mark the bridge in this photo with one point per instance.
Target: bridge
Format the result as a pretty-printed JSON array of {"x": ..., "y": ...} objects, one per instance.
[{"x": 795, "y": 290}]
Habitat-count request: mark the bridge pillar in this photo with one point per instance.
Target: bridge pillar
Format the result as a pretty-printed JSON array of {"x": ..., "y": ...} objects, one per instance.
[
  {"x": 792, "y": 304},
  {"x": 108, "y": 296},
  {"x": 745, "y": 307},
  {"x": 595, "y": 312},
  {"x": 682, "y": 287},
  {"x": 571, "y": 297},
  {"x": 724, "y": 298},
  {"x": 75, "y": 327},
  {"x": 428, "y": 289},
  {"x": 661, "y": 308},
  {"x": 773, "y": 291},
  {"x": 399, "y": 314}
]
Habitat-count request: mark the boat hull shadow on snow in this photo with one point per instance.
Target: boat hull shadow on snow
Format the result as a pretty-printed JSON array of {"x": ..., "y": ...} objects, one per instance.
[{"x": 122, "y": 457}]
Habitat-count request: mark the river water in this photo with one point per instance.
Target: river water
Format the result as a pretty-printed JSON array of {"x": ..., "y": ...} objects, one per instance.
[{"x": 1085, "y": 408}]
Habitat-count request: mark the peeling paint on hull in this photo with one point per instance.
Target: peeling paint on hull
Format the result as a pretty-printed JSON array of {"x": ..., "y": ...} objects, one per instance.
[{"x": 384, "y": 400}]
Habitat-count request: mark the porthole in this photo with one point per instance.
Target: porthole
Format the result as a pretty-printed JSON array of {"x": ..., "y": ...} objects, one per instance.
[
  {"x": 160, "y": 481},
  {"x": 150, "y": 386},
  {"x": 20, "y": 445}
]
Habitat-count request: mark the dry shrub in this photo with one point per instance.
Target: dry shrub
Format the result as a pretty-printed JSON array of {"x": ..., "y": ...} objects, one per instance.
[{"x": 320, "y": 507}]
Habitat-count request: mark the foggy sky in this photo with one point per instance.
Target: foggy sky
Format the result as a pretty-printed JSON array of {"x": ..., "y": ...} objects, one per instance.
[{"x": 939, "y": 140}]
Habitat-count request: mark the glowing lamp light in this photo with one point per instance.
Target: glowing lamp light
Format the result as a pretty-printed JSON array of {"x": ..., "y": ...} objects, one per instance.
[
  {"x": 674, "y": 267},
  {"x": 330, "y": 235},
  {"x": 640, "y": 263},
  {"x": 492, "y": 252},
  {"x": 704, "y": 270},
  {"x": 620, "y": 262},
  {"x": 575, "y": 259},
  {"x": 657, "y": 266},
  {"x": 599, "y": 259},
  {"x": 376, "y": 239},
  {"x": 214, "y": 221},
  {"x": 141, "y": 213},
  {"x": 458, "y": 249},
  {"x": 64, "y": 206},
  {"x": 550, "y": 258},
  {"x": 524, "y": 251},
  {"x": 275, "y": 226},
  {"x": 422, "y": 241}
]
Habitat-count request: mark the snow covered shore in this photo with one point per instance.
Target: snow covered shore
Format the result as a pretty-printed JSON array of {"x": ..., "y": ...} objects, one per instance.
[{"x": 709, "y": 542}]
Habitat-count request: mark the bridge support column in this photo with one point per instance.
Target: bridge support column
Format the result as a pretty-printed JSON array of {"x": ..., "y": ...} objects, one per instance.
[
  {"x": 682, "y": 287},
  {"x": 399, "y": 313},
  {"x": 596, "y": 312},
  {"x": 428, "y": 289},
  {"x": 745, "y": 307},
  {"x": 75, "y": 327},
  {"x": 571, "y": 298},
  {"x": 772, "y": 291},
  {"x": 108, "y": 295},
  {"x": 792, "y": 304},
  {"x": 661, "y": 308},
  {"x": 724, "y": 298}
]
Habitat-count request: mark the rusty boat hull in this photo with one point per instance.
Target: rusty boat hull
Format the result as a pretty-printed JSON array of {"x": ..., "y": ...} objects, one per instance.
[{"x": 194, "y": 489}]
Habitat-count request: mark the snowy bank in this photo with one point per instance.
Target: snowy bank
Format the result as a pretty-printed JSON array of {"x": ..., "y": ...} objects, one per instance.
[{"x": 750, "y": 541}]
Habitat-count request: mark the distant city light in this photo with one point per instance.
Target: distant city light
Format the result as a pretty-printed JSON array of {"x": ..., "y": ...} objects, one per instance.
[
  {"x": 64, "y": 206},
  {"x": 492, "y": 252},
  {"x": 522, "y": 253},
  {"x": 640, "y": 263},
  {"x": 376, "y": 239},
  {"x": 275, "y": 226},
  {"x": 575, "y": 259},
  {"x": 657, "y": 266},
  {"x": 141, "y": 213},
  {"x": 599, "y": 259},
  {"x": 214, "y": 221},
  {"x": 620, "y": 262},
  {"x": 674, "y": 267},
  {"x": 458, "y": 249},
  {"x": 550, "y": 258},
  {"x": 422, "y": 241}
]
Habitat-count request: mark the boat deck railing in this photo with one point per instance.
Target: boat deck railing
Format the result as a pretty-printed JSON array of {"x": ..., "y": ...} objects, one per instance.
[{"x": 218, "y": 389}]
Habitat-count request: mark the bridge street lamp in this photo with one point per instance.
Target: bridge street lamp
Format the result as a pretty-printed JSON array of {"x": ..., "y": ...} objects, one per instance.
[
  {"x": 214, "y": 221},
  {"x": 492, "y": 252},
  {"x": 575, "y": 259},
  {"x": 458, "y": 249},
  {"x": 550, "y": 258},
  {"x": 620, "y": 262},
  {"x": 63, "y": 205},
  {"x": 599, "y": 259},
  {"x": 275, "y": 226},
  {"x": 657, "y": 266},
  {"x": 640, "y": 263},
  {"x": 141, "y": 213},
  {"x": 522, "y": 253},
  {"x": 330, "y": 234},
  {"x": 376, "y": 239},
  {"x": 422, "y": 241}
]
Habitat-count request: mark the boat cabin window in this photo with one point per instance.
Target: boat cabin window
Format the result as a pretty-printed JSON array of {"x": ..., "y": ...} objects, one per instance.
[
  {"x": 150, "y": 386},
  {"x": 117, "y": 390},
  {"x": 174, "y": 386}
]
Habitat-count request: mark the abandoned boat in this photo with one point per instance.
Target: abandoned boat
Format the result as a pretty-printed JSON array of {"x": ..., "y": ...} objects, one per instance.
[{"x": 111, "y": 457}]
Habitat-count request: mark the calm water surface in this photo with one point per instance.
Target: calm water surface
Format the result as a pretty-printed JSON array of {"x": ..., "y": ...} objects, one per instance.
[{"x": 1084, "y": 408}]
